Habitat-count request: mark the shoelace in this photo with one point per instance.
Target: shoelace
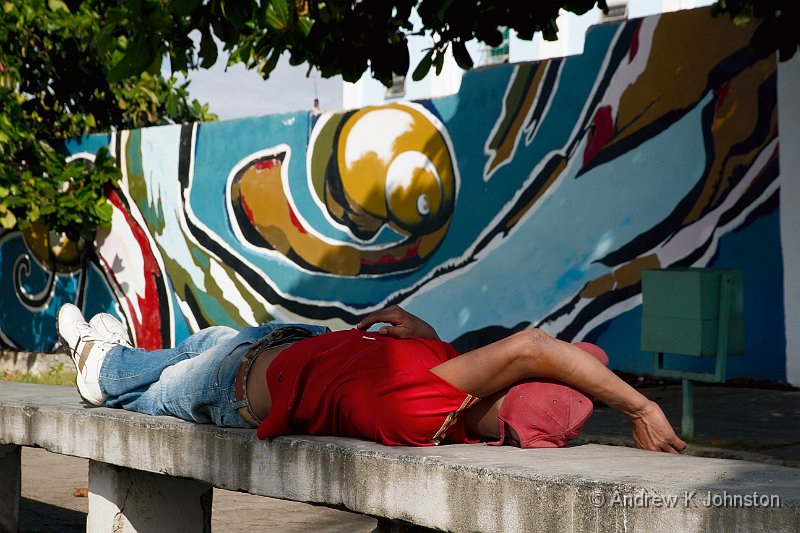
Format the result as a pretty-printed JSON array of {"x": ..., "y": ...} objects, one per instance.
[
  {"x": 88, "y": 334},
  {"x": 114, "y": 337},
  {"x": 118, "y": 338}
]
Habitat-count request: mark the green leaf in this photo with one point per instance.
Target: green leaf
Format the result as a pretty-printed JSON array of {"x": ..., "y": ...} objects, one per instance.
[
  {"x": 461, "y": 55},
  {"x": 7, "y": 218},
  {"x": 208, "y": 49},
  {"x": 171, "y": 105},
  {"x": 236, "y": 12},
  {"x": 423, "y": 67},
  {"x": 278, "y": 14},
  {"x": 33, "y": 212},
  {"x": 443, "y": 9},
  {"x": 57, "y": 5},
  {"x": 305, "y": 25},
  {"x": 550, "y": 31},
  {"x": 265, "y": 67},
  {"x": 184, "y": 7},
  {"x": 139, "y": 53},
  {"x": 105, "y": 212},
  {"x": 438, "y": 61}
]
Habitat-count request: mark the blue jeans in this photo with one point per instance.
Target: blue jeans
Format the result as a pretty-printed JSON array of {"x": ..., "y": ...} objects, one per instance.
[{"x": 193, "y": 381}]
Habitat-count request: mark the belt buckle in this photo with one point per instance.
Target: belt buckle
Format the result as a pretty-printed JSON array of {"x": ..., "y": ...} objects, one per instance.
[{"x": 288, "y": 331}]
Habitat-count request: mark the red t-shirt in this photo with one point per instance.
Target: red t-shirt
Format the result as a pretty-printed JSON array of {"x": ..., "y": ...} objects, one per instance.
[{"x": 361, "y": 384}]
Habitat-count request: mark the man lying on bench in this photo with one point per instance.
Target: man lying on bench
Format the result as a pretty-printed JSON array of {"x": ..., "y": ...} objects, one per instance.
[{"x": 399, "y": 385}]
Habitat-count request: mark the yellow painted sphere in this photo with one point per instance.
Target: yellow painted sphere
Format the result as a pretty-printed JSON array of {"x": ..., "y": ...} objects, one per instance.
[{"x": 394, "y": 163}]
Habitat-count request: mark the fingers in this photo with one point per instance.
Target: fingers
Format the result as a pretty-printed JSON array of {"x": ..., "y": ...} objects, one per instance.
[
  {"x": 671, "y": 448},
  {"x": 401, "y": 324},
  {"x": 653, "y": 432},
  {"x": 673, "y": 443},
  {"x": 391, "y": 315},
  {"x": 657, "y": 445},
  {"x": 678, "y": 444},
  {"x": 670, "y": 444},
  {"x": 368, "y": 321},
  {"x": 373, "y": 318},
  {"x": 398, "y": 332},
  {"x": 668, "y": 448}
]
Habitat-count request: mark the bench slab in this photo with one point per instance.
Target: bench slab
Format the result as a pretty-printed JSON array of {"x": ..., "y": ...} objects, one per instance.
[{"x": 452, "y": 488}]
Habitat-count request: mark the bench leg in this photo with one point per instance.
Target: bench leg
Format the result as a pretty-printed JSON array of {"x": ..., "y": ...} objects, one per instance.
[
  {"x": 10, "y": 486},
  {"x": 124, "y": 501}
]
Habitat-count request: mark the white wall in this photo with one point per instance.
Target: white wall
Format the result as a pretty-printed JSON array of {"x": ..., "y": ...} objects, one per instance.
[
  {"x": 571, "y": 35},
  {"x": 789, "y": 129},
  {"x": 643, "y": 8}
]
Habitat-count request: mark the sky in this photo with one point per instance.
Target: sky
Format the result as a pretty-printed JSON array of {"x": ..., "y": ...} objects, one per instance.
[{"x": 238, "y": 92}]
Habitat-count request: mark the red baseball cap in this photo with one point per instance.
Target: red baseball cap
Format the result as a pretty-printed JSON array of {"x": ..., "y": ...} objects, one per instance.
[{"x": 545, "y": 413}]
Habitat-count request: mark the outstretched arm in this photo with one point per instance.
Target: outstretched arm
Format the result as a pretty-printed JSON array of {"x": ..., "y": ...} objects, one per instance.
[
  {"x": 402, "y": 324},
  {"x": 534, "y": 354}
]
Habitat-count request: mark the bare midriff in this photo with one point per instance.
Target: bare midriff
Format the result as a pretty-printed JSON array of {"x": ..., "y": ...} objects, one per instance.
[{"x": 257, "y": 391}]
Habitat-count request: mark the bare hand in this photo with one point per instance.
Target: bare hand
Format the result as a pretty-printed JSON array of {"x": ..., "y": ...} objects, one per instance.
[
  {"x": 652, "y": 431},
  {"x": 404, "y": 325}
]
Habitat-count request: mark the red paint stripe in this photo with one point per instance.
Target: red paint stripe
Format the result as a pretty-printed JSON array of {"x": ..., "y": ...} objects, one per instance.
[
  {"x": 634, "y": 49},
  {"x": 720, "y": 95},
  {"x": 386, "y": 259},
  {"x": 148, "y": 329},
  {"x": 601, "y": 132},
  {"x": 247, "y": 210},
  {"x": 267, "y": 164},
  {"x": 295, "y": 220}
]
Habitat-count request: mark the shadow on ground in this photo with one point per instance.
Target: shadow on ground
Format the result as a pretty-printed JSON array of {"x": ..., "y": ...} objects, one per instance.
[{"x": 40, "y": 517}]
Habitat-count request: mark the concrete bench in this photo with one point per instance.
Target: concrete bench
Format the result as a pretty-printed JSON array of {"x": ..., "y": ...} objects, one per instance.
[{"x": 155, "y": 474}]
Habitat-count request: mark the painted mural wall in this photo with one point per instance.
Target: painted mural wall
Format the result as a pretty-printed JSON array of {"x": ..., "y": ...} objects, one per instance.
[{"x": 535, "y": 197}]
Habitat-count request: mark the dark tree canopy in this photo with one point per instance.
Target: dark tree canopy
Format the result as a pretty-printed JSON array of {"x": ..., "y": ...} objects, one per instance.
[
  {"x": 778, "y": 23},
  {"x": 338, "y": 37},
  {"x": 351, "y": 37}
]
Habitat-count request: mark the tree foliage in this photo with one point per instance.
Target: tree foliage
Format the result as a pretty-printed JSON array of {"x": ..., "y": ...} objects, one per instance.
[
  {"x": 55, "y": 64},
  {"x": 337, "y": 37},
  {"x": 68, "y": 67},
  {"x": 351, "y": 37},
  {"x": 778, "y": 23}
]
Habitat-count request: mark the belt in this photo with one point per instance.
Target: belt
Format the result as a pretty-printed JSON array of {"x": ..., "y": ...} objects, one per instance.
[
  {"x": 279, "y": 337},
  {"x": 240, "y": 387}
]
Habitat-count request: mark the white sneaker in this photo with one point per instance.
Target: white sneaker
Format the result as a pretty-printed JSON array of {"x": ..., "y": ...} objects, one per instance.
[
  {"x": 112, "y": 329},
  {"x": 87, "y": 348}
]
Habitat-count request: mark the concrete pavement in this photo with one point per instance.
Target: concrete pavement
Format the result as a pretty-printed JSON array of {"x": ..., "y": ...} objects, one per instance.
[{"x": 746, "y": 423}]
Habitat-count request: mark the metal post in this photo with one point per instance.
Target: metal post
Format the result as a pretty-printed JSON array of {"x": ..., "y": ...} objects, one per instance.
[
  {"x": 723, "y": 327},
  {"x": 687, "y": 417}
]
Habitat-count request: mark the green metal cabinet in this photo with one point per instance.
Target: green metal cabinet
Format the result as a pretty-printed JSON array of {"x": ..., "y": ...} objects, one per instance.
[{"x": 695, "y": 312}]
